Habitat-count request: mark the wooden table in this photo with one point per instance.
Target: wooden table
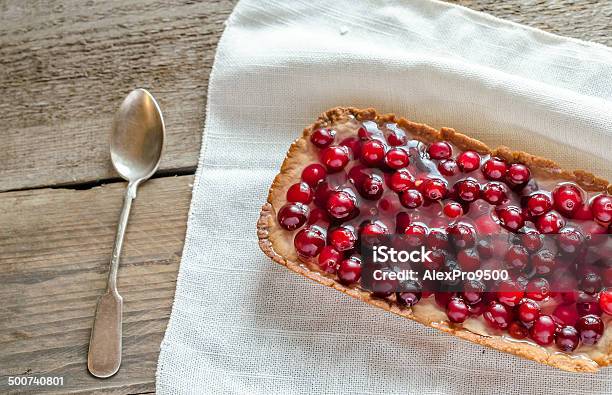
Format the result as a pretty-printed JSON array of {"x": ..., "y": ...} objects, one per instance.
[{"x": 64, "y": 68}]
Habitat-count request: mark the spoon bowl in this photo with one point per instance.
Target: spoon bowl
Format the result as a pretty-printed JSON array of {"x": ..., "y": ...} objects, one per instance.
[{"x": 138, "y": 137}]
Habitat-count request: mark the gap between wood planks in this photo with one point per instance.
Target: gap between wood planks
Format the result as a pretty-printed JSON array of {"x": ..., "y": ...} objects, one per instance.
[{"x": 83, "y": 186}]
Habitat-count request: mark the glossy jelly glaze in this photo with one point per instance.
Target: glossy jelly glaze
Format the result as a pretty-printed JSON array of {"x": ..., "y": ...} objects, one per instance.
[{"x": 476, "y": 212}]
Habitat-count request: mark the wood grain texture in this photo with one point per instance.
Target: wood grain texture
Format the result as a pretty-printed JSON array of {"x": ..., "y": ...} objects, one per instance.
[
  {"x": 589, "y": 20},
  {"x": 64, "y": 68},
  {"x": 55, "y": 251},
  {"x": 66, "y": 65}
]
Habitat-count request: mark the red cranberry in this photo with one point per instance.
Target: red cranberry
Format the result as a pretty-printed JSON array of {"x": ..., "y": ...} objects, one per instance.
[
  {"x": 497, "y": 315},
  {"x": 309, "y": 241},
  {"x": 372, "y": 152},
  {"x": 402, "y": 220},
  {"x": 354, "y": 145},
  {"x": 457, "y": 310},
  {"x": 440, "y": 150},
  {"x": 322, "y": 193},
  {"x": 313, "y": 174},
  {"x": 468, "y": 161},
  {"x": 410, "y": 295},
  {"x": 494, "y": 169},
  {"x": 517, "y": 257},
  {"x": 468, "y": 259},
  {"x": 550, "y": 222},
  {"x": 300, "y": 192},
  {"x": 532, "y": 240},
  {"x": 396, "y": 137},
  {"x": 453, "y": 210},
  {"x": 323, "y": 137},
  {"x": 494, "y": 193},
  {"x": 591, "y": 283},
  {"x": 462, "y": 235},
  {"x": 396, "y": 158},
  {"x": 383, "y": 287},
  {"x": 538, "y": 204},
  {"x": 370, "y": 232},
  {"x": 605, "y": 300},
  {"x": 538, "y": 289},
  {"x": 373, "y": 229},
  {"x": 358, "y": 173},
  {"x": 468, "y": 190},
  {"x": 567, "y": 198},
  {"x": 415, "y": 234},
  {"x": 509, "y": 293},
  {"x": 434, "y": 188},
  {"x": 340, "y": 204},
  {"x": 364, "y": 134},
  {"x": 543, "y": 261},
  {"x": 528, "y": 311},
  {"x": 566, "y": 314},
  {"x": 401, "y": 181},
  {"x": 292, "y": 216},
  {"x": 567, "y": 339},
  {"x": 570, "y": 239},
  {"x": 335, "y": 158},
  {"x": 349, "y": 270},
  {"x": 518, "y": 174},
  {"x": 601, "y": 207},
  {"x": 591, "y": 329},
  {"x": 473, "y": 291},
  {"x": 517, "y": 330},
  {"x": 437, "y": 239},
  {"x": 342, "y": 238},
  {"x": 510, "y": 217},
  {"x": 411, "y": 198},
  {"x": 328, "y": 259},
  {"x": 371, "y": 187},
  {"x": 588, "y": 307},
  {"x": 543, "y": 330},
  {"x": 448, "y": 167}
]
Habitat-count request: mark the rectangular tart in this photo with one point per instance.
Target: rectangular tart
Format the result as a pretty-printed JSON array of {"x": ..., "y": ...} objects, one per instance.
[{"x": 355, "y": 173}]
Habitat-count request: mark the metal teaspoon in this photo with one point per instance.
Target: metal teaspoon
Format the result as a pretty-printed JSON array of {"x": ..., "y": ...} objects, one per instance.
[{"x": 136, "y": 146}]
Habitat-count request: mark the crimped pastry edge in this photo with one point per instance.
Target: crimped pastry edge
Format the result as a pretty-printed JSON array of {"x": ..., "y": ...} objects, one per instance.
[{"x": 541, "y": 167}]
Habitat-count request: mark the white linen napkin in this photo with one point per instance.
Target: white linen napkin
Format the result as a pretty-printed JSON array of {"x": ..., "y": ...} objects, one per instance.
[{"x": 243, "y": 324}]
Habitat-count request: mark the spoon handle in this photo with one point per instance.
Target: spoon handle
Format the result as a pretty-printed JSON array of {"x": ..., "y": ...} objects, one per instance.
[
  {"x": 130, "y": 195},
  {"x": 104, "y": 357}
]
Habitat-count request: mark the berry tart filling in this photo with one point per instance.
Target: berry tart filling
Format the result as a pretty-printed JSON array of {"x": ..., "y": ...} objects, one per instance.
[{"x": 355, "y": 175}]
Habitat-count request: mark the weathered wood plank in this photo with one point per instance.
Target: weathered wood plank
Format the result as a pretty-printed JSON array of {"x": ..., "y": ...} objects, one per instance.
[
  {"x": 66, "y": 65},
  {"x": 588, "y": 20},
  {"x": 55, "y": 248}
]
